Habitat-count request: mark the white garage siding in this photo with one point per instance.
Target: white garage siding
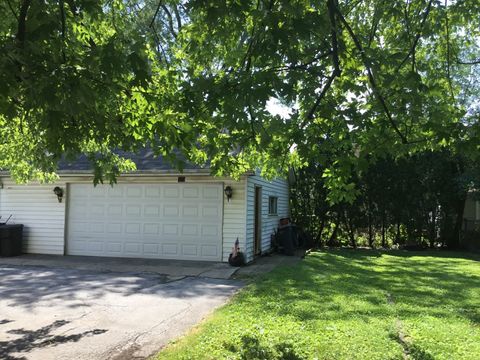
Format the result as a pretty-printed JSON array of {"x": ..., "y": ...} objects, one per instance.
[
  {"x": 234, "y": 213},
  {"x": 37, "y": 207},
  {"x": 269, "y": 223}
]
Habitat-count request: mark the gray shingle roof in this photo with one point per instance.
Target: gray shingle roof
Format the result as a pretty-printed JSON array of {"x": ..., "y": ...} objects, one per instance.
[{"x": 144, "y": 159}]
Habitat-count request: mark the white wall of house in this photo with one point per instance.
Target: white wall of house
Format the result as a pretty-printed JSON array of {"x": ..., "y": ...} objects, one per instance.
[
  {"x": 234, "y": 213},
  {"x": 44, "y": 218},
  {"x": 278, "y": 188},
  {"x": 37, "y": 207}
]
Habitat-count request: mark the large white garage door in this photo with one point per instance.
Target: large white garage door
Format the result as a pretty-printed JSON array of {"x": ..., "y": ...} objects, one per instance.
[{"x": 168, "y": 221}]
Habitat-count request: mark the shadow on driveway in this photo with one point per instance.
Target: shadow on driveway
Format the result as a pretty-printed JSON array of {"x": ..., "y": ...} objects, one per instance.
[
  {"x": 43, "y": 337},
  {"x": 78, "y": 314},
  {"x": 27, "y": 286}
]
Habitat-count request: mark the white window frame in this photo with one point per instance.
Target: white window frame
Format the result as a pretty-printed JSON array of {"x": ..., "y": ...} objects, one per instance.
[{"x": 273, "y": 205}]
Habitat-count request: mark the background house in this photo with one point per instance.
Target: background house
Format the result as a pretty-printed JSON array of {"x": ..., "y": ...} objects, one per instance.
[
  {"x": 155, "y": 212},
  {"x": 470, "y": 238}
]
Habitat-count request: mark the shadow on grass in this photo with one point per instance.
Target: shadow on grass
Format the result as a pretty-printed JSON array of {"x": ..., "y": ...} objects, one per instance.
[
  {"x": 433, "y": 283},
  {"x": 251, "y": 349},
  {"x": 410, "y": 350},
  {"x": 40, "y": 338}
]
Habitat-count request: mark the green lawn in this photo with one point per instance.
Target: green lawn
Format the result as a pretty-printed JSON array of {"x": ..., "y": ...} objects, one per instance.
[{"x": 346, "y": 304}]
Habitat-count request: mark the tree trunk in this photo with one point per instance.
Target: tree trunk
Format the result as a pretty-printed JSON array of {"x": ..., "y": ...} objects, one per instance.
[
  {"x": 352, "y": 238},
  {"x": 318, "y": 237},
  {"x": 333, "y": 236},
  {"x": 370, "y": 228},
  {"x": 384, "y": 242},
  {"x": 453, "y": 241},
  {"x": 397, "y": 235},
  {"x": 433, "y": 226},
  {"x": 351, "y": 233}
]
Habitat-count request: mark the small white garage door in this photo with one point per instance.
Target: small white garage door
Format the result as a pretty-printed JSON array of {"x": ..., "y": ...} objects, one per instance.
[{"x": 167, "y": 221}]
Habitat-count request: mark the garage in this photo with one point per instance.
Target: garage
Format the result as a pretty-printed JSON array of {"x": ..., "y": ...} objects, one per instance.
[{"x": 165, "y": 221}]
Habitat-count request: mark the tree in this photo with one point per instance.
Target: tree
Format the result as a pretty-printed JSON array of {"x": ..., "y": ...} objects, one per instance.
[
  {"x": 413, "y": 201},
  {"x": 358, "y": 79}
]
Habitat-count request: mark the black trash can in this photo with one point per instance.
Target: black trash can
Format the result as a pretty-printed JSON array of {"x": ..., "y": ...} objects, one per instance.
[
  {"x": 287, "y": 239},
  {"x": 11, "y": 240}
]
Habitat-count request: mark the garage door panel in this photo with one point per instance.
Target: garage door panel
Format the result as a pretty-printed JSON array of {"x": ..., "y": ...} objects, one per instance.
[
  {"x": 209, "y": 250},
  {"x": 95, "y": 246},
  {"x": 210, "y": 212},
  {"x": 153, "y": 192},
  {"x": 79, "y": 211},
  {"x": 98, "y": 192},
  {"x": 97, "y": 210},
  {"x": 132, "y": 248},
  {"x": 170, "y": 229},
  {"x": 97, "y": 227},
  {"x": 190, "y": 211},
  {"x": 189, "y": 250},
  {"x": 209, "y": 231},
  {"x": 115, "y": 192},
  {"x": 133, "y": 210},
  {"x": 134, "y": 191},
  {"x": 170, "y": 210},
  {"x": 114, "y": 247},
  {"x": 171, "y": 192},
  {"x": 114, "y": 210},
  {"x": 211, "y": 193},
  {"x": 151, "y": 229},
  {"x": 79, "y": 227},
  {"x": 79, "y": 191},
  {"x": 132, "y": 228},
  {"x": 114, "y": 228},
  {"x": 174, "y": 221},
  {"x": 151, "y": 249},
  {"x": 78, "y": 245},
  {"x": 190, "y": 230},
  {"x": 152, "y": 210},
  {"x": 190, "y": 192},
  {"x": 170, "y": 249}
]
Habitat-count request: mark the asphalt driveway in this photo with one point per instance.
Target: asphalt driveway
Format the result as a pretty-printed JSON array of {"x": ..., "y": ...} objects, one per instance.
[{"x": 58, "y": 313}]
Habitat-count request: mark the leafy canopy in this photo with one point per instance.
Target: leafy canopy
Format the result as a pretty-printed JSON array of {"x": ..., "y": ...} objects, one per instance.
[{"x": 359, "y": 79}]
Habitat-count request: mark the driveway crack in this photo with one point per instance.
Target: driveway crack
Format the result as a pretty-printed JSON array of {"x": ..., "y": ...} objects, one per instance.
[{"x": 128, "y": 349}]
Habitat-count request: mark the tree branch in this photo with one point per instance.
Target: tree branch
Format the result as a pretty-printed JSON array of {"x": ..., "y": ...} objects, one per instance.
[
  {"x": 170, "y": 20},
  {"x": 473, "y": 62},
  {"x": 156, "y": 13},
  {"x": 417, "y": 36},
  {"x": 61, "y": 7},
  {"x": 449, "y": 78},
  {"x": 178, "y": 17},
  {"x": 371, "y": 78},
  {"x": 159, "y": 44},
  {"x": 303, "y": 66},
  {"x": 320, "y": 97},
  {"x": 332, "y": 10},
  {"x": 22, "y": 19},
  {"x": 332, "y": 6},
  {"x": 12, "y": 10}
]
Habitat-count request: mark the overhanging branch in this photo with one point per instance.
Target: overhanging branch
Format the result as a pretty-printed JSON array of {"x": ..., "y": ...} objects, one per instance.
[
  {"x": 371, "y": 78},
  {"x": 332, "y": 9},
  {"x": 22, "y": 20},
  {"x": 417, "y": 36}
]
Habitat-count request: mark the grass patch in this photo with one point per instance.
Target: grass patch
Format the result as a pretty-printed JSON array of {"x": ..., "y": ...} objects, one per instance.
[{"x": 347, "y": 304}]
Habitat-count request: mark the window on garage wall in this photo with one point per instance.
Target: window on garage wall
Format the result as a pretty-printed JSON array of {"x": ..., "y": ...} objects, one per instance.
[{"x": 272, "y": 205}]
